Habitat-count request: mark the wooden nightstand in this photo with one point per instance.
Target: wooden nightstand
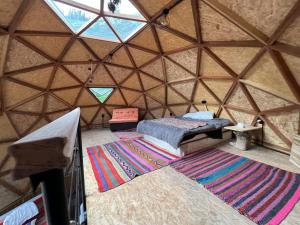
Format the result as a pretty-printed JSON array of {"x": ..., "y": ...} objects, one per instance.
[{"x": 243, "y": 136}]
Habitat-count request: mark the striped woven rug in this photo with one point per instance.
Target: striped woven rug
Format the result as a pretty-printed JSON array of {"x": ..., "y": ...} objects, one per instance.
[
  {"x": 121, "y": 161},
  {"x": 265, "y": 194}
]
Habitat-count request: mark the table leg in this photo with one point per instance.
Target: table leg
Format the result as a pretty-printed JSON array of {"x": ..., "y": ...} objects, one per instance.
[{"x": 243, "y": 140}]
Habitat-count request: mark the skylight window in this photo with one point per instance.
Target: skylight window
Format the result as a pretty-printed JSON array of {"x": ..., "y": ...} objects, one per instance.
[
  {"x": 100, "y": 30},
  {"x": 102, "y": 94},
  {"x": 125, "y": 28},
  {"x": 74, "y": 17},
  {"x": 116, "y": 27}
]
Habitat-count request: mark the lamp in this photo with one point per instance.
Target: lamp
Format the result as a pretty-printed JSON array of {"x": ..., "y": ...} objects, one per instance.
[
  {"x": 164, "y": 19},
  {"x": 204, "y": 102}
]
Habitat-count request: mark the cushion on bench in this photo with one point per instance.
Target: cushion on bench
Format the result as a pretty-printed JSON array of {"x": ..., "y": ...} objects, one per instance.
[{"x": 126, "y": 115}]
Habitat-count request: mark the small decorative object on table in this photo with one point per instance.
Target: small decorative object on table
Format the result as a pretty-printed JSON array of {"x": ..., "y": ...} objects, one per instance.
[
  {"x": 243, "y": 135},
  {"x": 295, "y": 151}
]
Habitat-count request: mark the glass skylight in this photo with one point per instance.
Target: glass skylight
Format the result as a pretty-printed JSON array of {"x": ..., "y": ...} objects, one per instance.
[
  {"x": 125, "y": 8},
  {"x": 125, "y": 28},
  {"x": 116, "y": 27},
  {"x": 74, "y": 17},
  {"x": 102, "y": 94},
  {"x": 100, "y": 30}
]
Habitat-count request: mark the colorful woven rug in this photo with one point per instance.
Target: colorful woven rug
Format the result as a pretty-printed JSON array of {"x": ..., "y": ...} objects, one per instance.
[
  {"x": 265, "y": 194},
  {"x": 128, "y": 135},
  {"x": 121, "y": 161}
]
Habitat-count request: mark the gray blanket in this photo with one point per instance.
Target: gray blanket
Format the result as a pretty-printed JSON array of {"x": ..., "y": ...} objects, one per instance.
[{"x": 173, "y": 134}]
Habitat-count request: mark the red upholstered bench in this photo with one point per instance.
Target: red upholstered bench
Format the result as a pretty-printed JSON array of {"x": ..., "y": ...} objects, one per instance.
[{"x": 124, "y": 119}]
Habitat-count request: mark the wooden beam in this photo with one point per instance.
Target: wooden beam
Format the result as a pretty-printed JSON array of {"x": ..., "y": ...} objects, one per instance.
[
  {"x": 286, "y": 73},
  {"x": 3, "y": 58},
  {"x": 21, "y": 12},
  {"x": 288, "y": 20},
  {"x": 237, "y": 20},
  {"x": 288, "y": 49}
]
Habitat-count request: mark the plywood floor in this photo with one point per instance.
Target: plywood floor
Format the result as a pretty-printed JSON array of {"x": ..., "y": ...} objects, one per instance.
[{"x": 166, "y": 196}]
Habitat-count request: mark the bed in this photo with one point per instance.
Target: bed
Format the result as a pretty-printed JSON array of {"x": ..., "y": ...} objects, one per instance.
[{"x": 182, "y": 136}]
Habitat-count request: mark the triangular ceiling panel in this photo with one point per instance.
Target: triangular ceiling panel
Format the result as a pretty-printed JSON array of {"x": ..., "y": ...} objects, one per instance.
[
  {"x": 42, "y": 122},
  {"x": 22, "y": 122},
  {"x": 120, "y": 57},
  {"x": 132, "y": 82},
  {"x": 175, "y": 72},
  {"x": 130, "y": 96},
  {"x": 210, "y": 68},
  {"x": 23, "y": 92},
  {"x": 174, "y": 98},
  {"x": 9, "y": 130},
  {"x": 179, "y": 110},
  {"x": 241, "y": 117},
  {"x": 39, "y": 78},
  {"x": 101, "y": 117},
  {"x": 116, "y": 98},
  {"x": 149, "y": 82},
  {"x": 215, "y": 27},
  {"x": 16, "y": 60},
  {"x": 187, "y": 59},
  {"x": 238, "y": 98},
  {"x": 236, "y": 58},
  {"x": 119, "y": 73},
  {"x": 145, "y": 39},
  {"x": 265, "y": 16},
  {"x": 140, "y": 57},
  {"x": 155, "y": 68},
  {"x": 270, "y": 137},
  {"x": 54, "y": 116},
  {"x": 88, "y": 113},
  {"x": 185, "y": 88},
  {"x": 266, "y": 101},
  {"x": 181, "y": 18},
  {"x": 212, "y": 108},
  {"x": 68, "y": 95},
  {"x": 265, "y": 74},
  {"x": 8, "y": 10},
  {"x": 35, "y": 105},
  {"x": 225, "y": 115},
  {"x": 53, "y": 46},
  {"x": 219, "y": 87},
  {"x": 86, "y": 98},
  {"x": 53, "y": 104},
  {"x": 77, "y": 52},
  {"x": 40, "y": 17},
  {"x": 170, "y": 42},
  {"x": 153, "y": 6},
  {"x": 291, "y": 35},
  {"x": 140, "y": 103},
  {"x": 202, "y": 94},
  {"x": 286, "y": 122},
  {"x": 101, "y": 48},
  {"x": 167, "y": 114},
  {"x": 101, "y": 77},
  {"x": 81, "y": 71},
  {"x": 63, "y": 79},
  {"x": 152, "y": 103},
  {"x": 158, "y": 93},
  {"x": 158, "y": 113}
]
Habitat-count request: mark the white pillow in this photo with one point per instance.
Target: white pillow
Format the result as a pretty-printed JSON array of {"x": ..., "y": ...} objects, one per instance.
[
  {"x": 202, "y": 115},
  {"x": 21, "y": 214}
]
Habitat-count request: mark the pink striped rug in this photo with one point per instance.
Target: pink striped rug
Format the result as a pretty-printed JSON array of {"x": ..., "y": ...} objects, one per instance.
[
  {"x": 121, "y": 161},
  {"x": 264, "y": 194}
]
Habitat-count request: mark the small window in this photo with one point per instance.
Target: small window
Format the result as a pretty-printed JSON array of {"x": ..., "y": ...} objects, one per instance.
[
  {"x": 74, "y": 17},
  {"x": 102, "y": 94},
  {"x": 125, "y": 28},
  {"x": 100, "y": 30}
]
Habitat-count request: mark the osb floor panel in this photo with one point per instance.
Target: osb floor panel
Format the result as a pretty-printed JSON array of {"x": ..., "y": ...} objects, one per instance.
[{"x": 166, "y": 196}]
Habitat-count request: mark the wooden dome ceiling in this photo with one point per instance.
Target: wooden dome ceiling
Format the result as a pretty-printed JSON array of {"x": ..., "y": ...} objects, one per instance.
[{"x": 241, "y": 56}]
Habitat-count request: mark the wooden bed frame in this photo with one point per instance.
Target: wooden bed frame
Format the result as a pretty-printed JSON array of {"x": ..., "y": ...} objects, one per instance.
[{"x": 199, "y": 142}]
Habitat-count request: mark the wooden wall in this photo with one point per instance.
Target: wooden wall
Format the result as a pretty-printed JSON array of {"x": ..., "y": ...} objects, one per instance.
[{"x": 242, "y": 56}]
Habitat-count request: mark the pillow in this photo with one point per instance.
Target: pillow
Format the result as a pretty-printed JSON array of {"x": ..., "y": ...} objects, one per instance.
[
  {"x": 202, "y": 115},
  {"x": 21, "y": 214}
]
